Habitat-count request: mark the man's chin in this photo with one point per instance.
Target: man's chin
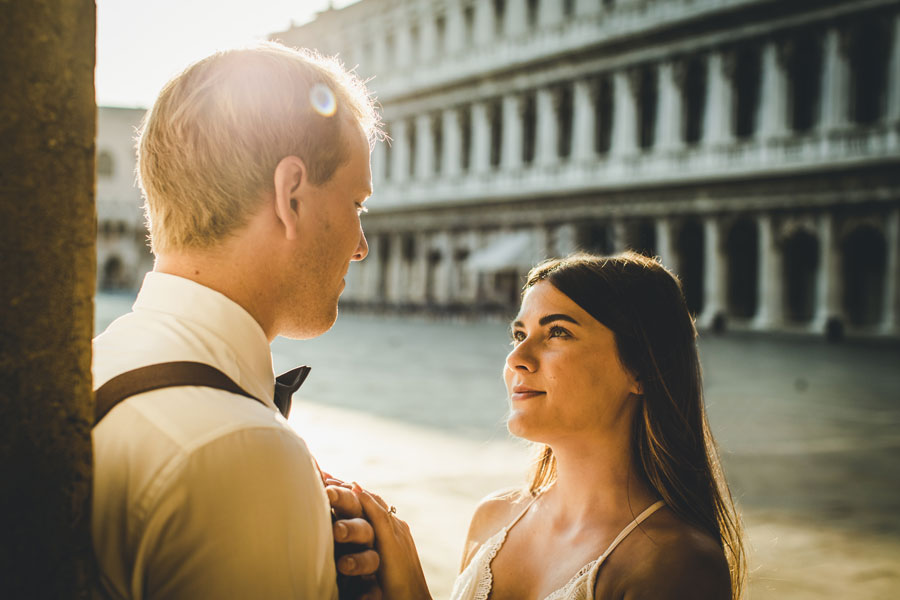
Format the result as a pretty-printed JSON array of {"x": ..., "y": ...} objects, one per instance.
[{"x": 305, "y": 329}]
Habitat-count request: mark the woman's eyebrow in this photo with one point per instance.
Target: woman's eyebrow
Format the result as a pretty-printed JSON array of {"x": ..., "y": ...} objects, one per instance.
[{"x": 548, "y": 319}]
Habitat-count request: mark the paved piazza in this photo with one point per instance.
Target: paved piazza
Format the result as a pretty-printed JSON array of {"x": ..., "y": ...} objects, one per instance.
[{"x": 810, "y": 434}]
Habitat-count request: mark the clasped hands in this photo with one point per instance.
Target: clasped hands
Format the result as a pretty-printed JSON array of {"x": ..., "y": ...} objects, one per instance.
[{"x": 375, "y": 555}]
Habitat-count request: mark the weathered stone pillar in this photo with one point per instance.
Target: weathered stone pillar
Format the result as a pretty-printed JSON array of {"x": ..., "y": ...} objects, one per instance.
[
  {"x": 424, "y": 147},
  {"x": 891, "y": 322},
  {"x": 893, "y": 107},
  {"x": 441, "y": 293},
  {"x": 624, "y": 133},
  {"x": 456, "y": 28},
  {"x": 400, "y": 151},
  {"x": 586, "y": 8},
  {"x": 564, "y": 240},
  {"x": 773, "y": 105},
  {"x": 547, "y": 127},
  {"x": 404, "y": 49},
  {"x": 484, "y": 23},
  {"x": 550, "y": 13},
  {"x": 835, "y": 81},
  {"x": 665, "y": 244},
  {"x": 770, "y": 314},
  {"x": 451, "y": 153},
  {"x": 511, "y": 149},
  {"x": 395, "y": 286},
  {"x": 419, "y": 269},
  {"x": 583, "y": 128},
  {"x": 481, "y": 138},
  {"x": 718, "y": 123},
  {"x": 670, "y": 115},
  {"x": 428, "y": 39},
  {"x": 829, "y": 306},
  {"x": 619, "y": 231},
  {"x": 48, "y": 122},
  {"x": 516, "y": 18},
  {"x": 714, "y": 274},
  {"x": 379, "y": 163}
]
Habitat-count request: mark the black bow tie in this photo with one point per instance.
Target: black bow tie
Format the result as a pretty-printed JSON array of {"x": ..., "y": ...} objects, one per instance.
[{"x": 285, "y": 386}]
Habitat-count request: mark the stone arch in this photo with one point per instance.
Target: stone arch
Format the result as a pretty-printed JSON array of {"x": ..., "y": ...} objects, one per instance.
[
  {"x": 801, "y": 266},
  {"x": 742, "y": 247},
  {"x": 106, "y": 165},
  {"x": 691, "y": 257},
  {"x": 113, "y": 273},
  {"x": 864, "y": 253}
]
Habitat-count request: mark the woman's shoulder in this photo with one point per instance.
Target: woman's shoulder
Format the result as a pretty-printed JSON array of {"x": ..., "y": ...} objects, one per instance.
[
  {"x": 674, "y": 559},
  {"x": 493, "y": 513}
]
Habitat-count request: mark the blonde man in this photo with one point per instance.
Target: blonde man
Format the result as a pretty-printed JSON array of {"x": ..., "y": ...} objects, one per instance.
[{"x": 254, "y": 164}]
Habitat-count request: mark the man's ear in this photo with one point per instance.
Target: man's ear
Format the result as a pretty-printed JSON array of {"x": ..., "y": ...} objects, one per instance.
[{"x": 290, "y": 178}]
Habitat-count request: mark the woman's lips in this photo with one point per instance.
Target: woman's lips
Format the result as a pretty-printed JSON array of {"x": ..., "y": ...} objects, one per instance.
[{"x": 520, "y": 392}]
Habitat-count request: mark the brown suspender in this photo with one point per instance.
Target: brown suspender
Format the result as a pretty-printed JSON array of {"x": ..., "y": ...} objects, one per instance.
[{"x": 158, "y": 376}]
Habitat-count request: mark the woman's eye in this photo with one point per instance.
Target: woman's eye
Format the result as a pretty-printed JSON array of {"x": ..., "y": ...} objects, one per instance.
[
  {"x": 517, "y": 336},
  {"x": 557, "y": 331}
]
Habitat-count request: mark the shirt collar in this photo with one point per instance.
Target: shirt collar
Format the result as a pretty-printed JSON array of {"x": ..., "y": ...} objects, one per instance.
[{"x": 220, "y": 317}]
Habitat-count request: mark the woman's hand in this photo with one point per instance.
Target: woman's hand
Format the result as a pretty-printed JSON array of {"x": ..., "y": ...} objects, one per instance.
[{"x": 400, "y": 575}]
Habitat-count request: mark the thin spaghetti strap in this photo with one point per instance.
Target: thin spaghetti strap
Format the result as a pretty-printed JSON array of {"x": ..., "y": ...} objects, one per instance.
[
  {"x": 630, "y": 527},
  {"x": 524, "y": 510}
]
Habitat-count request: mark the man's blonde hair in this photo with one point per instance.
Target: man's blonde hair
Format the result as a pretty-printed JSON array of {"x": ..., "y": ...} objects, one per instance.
[{"x": 208, "y": 148}]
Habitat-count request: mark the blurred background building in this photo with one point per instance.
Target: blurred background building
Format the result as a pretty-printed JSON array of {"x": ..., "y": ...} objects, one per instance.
[
  {"x": 122, "y": 252},
  {"x": 753, "y": 145}
]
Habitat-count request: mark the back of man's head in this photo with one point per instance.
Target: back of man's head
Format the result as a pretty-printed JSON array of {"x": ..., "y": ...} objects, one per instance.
[{"x": 209, "y": 146}]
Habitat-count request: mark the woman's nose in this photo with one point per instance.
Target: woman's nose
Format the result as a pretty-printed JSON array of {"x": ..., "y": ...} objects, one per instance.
[{"x": 522, "y": 357}]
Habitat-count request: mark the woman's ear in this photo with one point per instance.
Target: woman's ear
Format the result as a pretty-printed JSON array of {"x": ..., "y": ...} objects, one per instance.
[
  {"x": 636, "y": 387},
  {"x": 289, "y": 179}
]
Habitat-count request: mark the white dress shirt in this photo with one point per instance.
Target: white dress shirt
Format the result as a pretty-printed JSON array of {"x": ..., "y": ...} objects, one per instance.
[{"x": 201, "y": 493}]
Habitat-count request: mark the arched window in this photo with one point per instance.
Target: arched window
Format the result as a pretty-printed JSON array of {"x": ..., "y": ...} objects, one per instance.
[{"x": 105, "y": 165}]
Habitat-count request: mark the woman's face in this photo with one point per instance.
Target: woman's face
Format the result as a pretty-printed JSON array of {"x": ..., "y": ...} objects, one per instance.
[{"x": 563, "y": 375}]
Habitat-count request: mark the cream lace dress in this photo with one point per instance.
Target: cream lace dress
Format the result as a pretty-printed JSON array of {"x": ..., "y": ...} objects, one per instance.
[{"x": 474, "y": 583}]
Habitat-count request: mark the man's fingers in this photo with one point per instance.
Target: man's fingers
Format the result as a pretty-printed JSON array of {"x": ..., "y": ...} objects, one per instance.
[
  {"x": 361, "y": 563},
  {"x": 344, "y": 502},
  {"x": 353, "y": 531}
]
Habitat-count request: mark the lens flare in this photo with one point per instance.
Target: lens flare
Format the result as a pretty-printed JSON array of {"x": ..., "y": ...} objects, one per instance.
[{"x": 322, "y": 99}]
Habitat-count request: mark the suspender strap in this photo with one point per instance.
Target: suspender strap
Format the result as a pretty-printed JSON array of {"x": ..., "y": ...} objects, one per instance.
[{"x": 162, "y": 375}]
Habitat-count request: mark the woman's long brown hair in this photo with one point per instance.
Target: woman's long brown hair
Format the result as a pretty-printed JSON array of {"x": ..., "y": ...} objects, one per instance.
[{"x": 672, "y": 446}]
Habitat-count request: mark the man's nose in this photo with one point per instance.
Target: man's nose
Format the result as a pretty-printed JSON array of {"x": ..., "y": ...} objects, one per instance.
[{"x": 363, "y": 249}]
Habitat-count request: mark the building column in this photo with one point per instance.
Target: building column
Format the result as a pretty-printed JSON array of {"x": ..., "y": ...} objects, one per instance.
[
  {"x": 619, "y": 231},
  {"x": 400, "y": 151},
  {"x": 395, "y": 287},
  {"x": 484, "y": 23},
  {"x": 773, "y": 105},
  {"x": 456, "y": 28},
  {"x": 893, "y": 92},
  {"x": 583, "y": 123},
  {"x": 714, "y": 274},
  {"x": 665, "y": 244},
  {"x": 516, "y": 18},
  {"x": 718, "y": 123},
  {"x": 547, "y": 127},
  {"x": 404, "y": 50},
  {"x": 379, "y": 162},
  {"x": 891, "y": 322},
  {"x": 511, "y": 150},
  {"x": 451, "y": 153},
  {"x": 564, "y": 240},
  {"x": 770, "y": 312},
  {"x": 835, "y": 81},
  {"x": 550, "y": 13},
  {"x": 379, "y": 51},
  {"x": 829, "y": 307},
  {"x": 481, "y": 138},
  {"x": 428, "y": 39},
  {"x": 444, "y": 269},
  {"x": 424, "y": 147},
  {"x": 624, "y": 127},
  {"x": 586, "y": 8},
  {"x": 418, "y": 271},
  {"x": 670, "y": 114}
]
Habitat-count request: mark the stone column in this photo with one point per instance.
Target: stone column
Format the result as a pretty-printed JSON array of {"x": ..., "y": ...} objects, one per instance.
[
  {"x": 624, "y": 128},
  {"x": 456, "y": 28},
  {"x": 564, "y": 240},
  {"x": 770, "y": 314},
  {"x": 714, "y": 274},
  {"x": 583, "y": 127},
  {"x": 619, "y": 231},
  {"x": 511, "y": 150},
  {"x": 893, "y": 94},
  {"x": 396, "y": 288},
  {"x": 484, "y": 23},
  {"x": 400, "y": 151},
  {"x": 424, "y": 147},
  {"x": 835, "y": 82},
  {"x": 516, "y": 18},
  {"x": 550, "y": 13},
  {"x": 428, "y": 38},
  {"x": 444, "y": 269},
  {"x": 773, "y": 104},
  {"x": 47, "y": 222},
  {"x": 586, "y": 8},
  {"x": 451, "y": 153},
  {"x": 829, "y": 305},
  {"x": 404, "y": 49},
  {"x": 891, "y": 322},
  {"x": 718, "y": 123},
  {"x": 379, "y": 51},
  {"x": 379, "y": 162},
  {"x": 670, "y": 114},
  {"x": 419, "y": 270},
  {"x": 547, "y": 127},
  {"x": 481, "y": 138},
  {"x": 665, "y": 244}
]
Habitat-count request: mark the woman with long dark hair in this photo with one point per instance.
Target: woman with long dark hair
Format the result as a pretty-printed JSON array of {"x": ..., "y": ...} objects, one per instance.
[{"x": 627, "y": 498}]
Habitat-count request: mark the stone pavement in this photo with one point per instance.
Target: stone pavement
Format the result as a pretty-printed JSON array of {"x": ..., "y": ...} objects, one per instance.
[{"x": 809, "y": 433}]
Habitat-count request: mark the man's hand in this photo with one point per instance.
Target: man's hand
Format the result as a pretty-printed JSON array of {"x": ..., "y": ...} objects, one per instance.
[{"x": 354, "y": 538}]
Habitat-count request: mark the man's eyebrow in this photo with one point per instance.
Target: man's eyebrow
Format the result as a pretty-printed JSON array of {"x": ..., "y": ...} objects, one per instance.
[{"x": 548, "y": 319}]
